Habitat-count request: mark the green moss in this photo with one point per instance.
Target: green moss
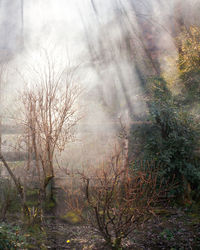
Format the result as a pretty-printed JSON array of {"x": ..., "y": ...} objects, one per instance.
[{"x": 71, "y": 217}]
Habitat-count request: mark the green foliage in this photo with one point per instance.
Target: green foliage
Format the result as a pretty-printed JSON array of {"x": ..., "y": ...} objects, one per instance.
[
  {"x": 10, "y": 238},
  {"x": 167, "y": 234},
  {"x": 9, "y": 201},
  {"x": 191, "y": 88},
  {"x": 171, "y": 138},
  {"x": 49, "y": 205}
]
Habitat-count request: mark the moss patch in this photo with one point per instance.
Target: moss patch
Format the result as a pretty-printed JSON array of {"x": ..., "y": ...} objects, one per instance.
[{"x": 71, "y": 217}]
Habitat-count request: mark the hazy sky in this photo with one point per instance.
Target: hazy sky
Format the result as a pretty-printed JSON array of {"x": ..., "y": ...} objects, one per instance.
[{"x": 66, "y": 25}]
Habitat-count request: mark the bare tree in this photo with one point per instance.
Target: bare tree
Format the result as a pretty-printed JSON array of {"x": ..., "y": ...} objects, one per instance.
[
  {"x": 116, "y": 200},
  {"x": 50, "y": 109}
]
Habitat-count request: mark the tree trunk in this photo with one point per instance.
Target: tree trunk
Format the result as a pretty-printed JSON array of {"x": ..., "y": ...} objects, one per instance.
[{"x": 19, "y": 187}]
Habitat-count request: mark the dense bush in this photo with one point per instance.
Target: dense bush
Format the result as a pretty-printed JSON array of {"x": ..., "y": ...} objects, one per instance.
[
  {"x": 10, "y": 238},
  {"x": 8, "y": 198},
  {"x": 171, "y": 138}
]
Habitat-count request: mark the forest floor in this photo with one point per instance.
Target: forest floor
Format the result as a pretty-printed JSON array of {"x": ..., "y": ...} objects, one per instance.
[{"x": 171, "y": 228}]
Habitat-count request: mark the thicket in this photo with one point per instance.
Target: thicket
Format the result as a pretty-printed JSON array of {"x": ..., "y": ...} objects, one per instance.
[
  {"x": 116, "y": 201},
  {"x": 172, "y": 134},
  {"x": 8, "y": 198},
  {"x": 11, "y": 238}
]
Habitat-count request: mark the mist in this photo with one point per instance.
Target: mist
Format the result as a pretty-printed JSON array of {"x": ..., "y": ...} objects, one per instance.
[
  {"x": 101, "y": 55},
  {"x": 114, "y": 45}
]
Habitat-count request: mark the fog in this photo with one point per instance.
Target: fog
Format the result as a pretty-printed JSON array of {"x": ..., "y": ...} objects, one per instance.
[
  {"x": 113, "y": 44},
  {"x": 99, "y": 124}
]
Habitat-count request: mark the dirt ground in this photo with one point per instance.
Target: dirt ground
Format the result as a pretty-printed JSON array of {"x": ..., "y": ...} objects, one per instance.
[{"x": 171, "y": 228}]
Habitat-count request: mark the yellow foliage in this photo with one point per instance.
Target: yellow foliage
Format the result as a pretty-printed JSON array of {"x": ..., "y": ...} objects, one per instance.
[
  {"x": 189, "y": 44},
  {"x": 72, "y": 217},
  {"x": 186, "y": 62}
]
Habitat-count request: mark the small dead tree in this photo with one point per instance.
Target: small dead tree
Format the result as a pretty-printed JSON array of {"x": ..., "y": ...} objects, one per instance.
[
  {"x": 4, "y": 67},
  {"x": 18, "y": 186},
  {"x": 117, "y": 201},
  {"x": 50, "y": 110}
]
